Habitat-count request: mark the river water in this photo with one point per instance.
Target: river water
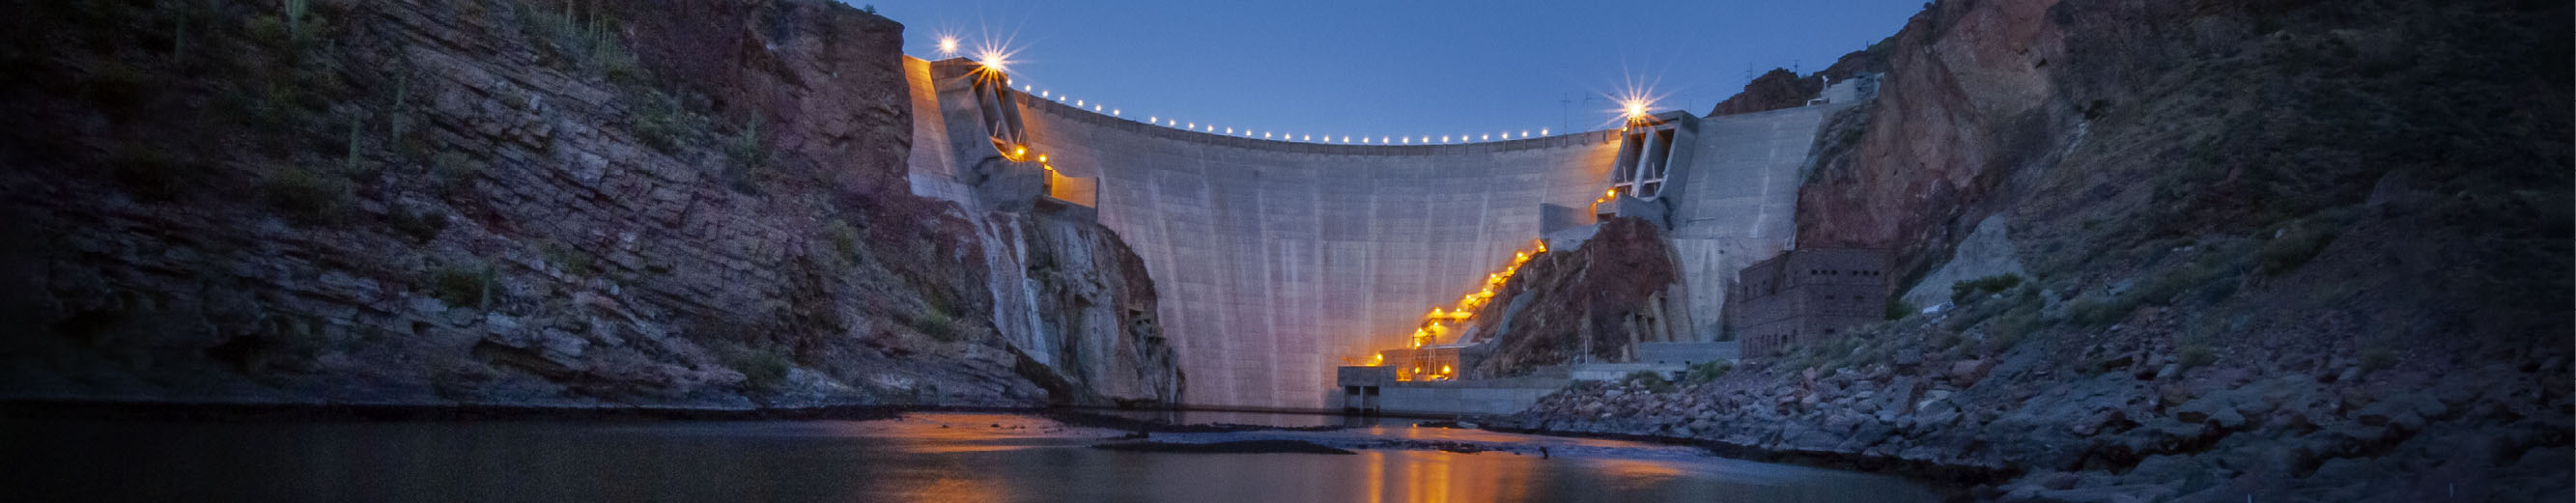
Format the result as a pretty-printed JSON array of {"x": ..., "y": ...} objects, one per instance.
[{"x": 923, "y": 457}]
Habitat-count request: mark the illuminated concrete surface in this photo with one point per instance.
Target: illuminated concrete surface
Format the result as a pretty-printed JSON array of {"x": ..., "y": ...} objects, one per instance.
[{"x": 1277, "y": 261}]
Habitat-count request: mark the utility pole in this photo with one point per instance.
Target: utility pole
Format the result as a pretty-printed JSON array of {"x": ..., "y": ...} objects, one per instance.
[{"x": 1565, "y": 112}]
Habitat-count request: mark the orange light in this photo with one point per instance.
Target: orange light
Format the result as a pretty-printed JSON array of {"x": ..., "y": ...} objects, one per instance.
[
  {"x": 1041, "y": 157},
  {"x": 1020, "y": 150},
  {"x": 947, "y": 45},
  {"x": 1636, "y": 108}
]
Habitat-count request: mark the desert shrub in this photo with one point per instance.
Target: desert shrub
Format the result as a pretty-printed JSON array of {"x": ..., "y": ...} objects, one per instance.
[
  {"x": 306, "y": 195},
  {"x": 1705, "y": 372},
  {"x": 761, "y": 369},
  {"x": 572, "y": 260},
  {"x": 845, "y": 240},
  {"x": 2293, "y": 249},
  {"x": 117, "y": 87},
  {"x": 1969, "y": 315},
  {"x": 937, "y": 323},
  {"x": 2194, "y": 355},
  {"x": 1648, "y": 379},
  {"x": 464, "y": 283},
  {"x": 266, "y": 28},
  {"x": 1829, "y": 351},
  {"x": 152, "y": 173},
  {"x": 585, "y": 40},
  {"x": 660, "y": 121},
  {"x": 747, "y": 155},
  {"x": 1961, "y": 292},
  {"x": 1944, "y": 342},
  {"x": 2098, "y": 313},
  {"x": 419, "y": 223},
  {"x": 296, "y": 12},
  {"x": 617, "y": 63},
  {"x": 2009, "y": 328},
  {"x": 1898, "y": 308},
  {"x": 2376, "y": 356},
  {"x": 2208, "y": 278},
  {"x": 454, "y": 172}
]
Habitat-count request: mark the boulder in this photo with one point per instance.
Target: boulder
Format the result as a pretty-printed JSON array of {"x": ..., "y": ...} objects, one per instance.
[{"x": 1966, "y": 373}]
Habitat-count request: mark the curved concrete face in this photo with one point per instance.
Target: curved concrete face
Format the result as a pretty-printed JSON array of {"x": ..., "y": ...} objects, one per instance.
[
  {"x": 1278, "y": 261},
  {"x": 1275, "y": 262}
]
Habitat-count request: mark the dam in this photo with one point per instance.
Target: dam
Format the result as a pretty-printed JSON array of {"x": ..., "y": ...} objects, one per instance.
[{"x": 1276, "y": 261}]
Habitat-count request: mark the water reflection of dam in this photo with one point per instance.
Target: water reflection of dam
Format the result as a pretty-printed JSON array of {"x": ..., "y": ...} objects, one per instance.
[{"x": 1276, "y": 261}]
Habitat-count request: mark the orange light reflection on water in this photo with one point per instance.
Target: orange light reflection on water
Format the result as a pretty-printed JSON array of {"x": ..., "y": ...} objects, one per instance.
[
  {"x": 1430, "y": 480},
  {"x": 1446, "y": 477}
]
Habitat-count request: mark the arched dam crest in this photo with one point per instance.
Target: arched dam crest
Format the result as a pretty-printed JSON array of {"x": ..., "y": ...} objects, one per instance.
[{"x": 1276, "y": 261}]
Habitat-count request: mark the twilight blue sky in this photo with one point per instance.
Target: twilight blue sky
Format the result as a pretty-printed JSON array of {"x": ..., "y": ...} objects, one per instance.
[{"x": 1397, "y": 68}]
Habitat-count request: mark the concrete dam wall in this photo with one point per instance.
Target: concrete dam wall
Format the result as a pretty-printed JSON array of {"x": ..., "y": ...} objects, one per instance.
[{"x": 1276, "y": 261}]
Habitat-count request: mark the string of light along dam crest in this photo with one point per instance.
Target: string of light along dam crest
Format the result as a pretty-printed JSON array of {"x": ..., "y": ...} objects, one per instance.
[{"x": 997, "y": 57}]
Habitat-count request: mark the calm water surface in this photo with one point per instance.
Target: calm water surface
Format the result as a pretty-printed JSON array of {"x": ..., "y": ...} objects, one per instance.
[{"x": 921, "y": 458}]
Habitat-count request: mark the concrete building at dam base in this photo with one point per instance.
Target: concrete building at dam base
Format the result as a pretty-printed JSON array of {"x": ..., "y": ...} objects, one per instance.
[{"x": 1284, "y": 268}]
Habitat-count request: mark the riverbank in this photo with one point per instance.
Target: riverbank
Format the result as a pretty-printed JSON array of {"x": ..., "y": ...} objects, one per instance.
[
  {"x": 221, "y": 412},
  {"x": 921, "y": 456},
  {"x": 1945, "y": 474}
]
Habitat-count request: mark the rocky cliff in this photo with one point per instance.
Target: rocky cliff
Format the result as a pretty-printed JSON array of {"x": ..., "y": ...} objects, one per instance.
[
  {"x": 1588, "y": 304},
  {"x": 1080, "y": 302},
  {"x": 583, "y": 203},
  {"x": 2304, "y": 251},
  {"x": 1773, "y": 90}
]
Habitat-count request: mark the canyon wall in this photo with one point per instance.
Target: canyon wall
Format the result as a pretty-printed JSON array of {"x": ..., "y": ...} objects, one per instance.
[
  {"x": 587, "y": 204},
  {"x": 2272, "y": 251}
]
